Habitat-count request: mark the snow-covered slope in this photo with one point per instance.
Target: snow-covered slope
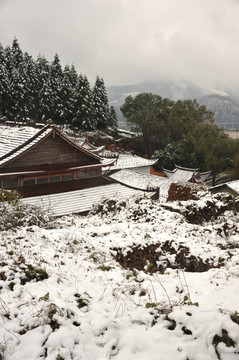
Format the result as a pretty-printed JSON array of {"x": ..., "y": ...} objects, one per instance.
[{"x": 70, "y": 292}]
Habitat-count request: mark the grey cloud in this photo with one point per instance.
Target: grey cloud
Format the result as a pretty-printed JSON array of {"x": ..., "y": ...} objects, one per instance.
[{"x": 127, "y": 41}]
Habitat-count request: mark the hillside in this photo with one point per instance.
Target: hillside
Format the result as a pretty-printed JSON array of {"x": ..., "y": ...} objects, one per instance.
[
  {"x": 225, "y": 104},
  {"x": 133, "y": 280}
]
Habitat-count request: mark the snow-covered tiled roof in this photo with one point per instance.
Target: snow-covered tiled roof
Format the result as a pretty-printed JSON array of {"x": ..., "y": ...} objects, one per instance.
[
  {"x": 203, "y": 176},
  {"x": 12, "y": 137},
  {"x": 14, "y": 141},
  {"x": 182, "y": 174},
  {"x": 143, "y": 181},
  {"x": 234, "y": 185},
  {"x": 79, "y": 201},
  {"x": 25, "y": 144},
  {"x": 127, "y": 161}
]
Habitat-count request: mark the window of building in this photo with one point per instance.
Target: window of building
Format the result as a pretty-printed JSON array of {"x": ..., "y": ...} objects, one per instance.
[
  {"x": 55, "y": 179},
  {"x": 42, "y": 180},
  {"x": 94, "y": 172},
  {"x": 28, "y": 182},
  {"x": 10, "y": 182},
  {"x": 66, "y": 177},
  {"x": 81, "y": 174}
]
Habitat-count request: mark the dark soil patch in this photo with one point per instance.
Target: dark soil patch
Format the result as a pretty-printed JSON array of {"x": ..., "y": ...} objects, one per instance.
[
  {"x": 182, "y": 192},
  {"x": 154, "y": 258},
  {"x": 211, "y": 210}
]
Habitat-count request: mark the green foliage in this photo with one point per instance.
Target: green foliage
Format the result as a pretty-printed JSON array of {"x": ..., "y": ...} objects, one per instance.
[
  {"x": 150, "y": 305},
  {"x": 104, "y": 267},
  {"x": 235, "y": 317},
  {"x": 159, "y": 121},
  {"x": 142, "y": 112},
  {"x": 167, "y": 157},
  {"x": 33, "y": 273},
  {"x": 81, "y": 301},
  {"x": 45, "y": 297},
  {"x": 204, "y": 146},
  {"x": 209, "y": 148},
  {"x": 188, "y": 301},
  {"x": 59, "y": 357},
  {"x": 8, "y": 196}
]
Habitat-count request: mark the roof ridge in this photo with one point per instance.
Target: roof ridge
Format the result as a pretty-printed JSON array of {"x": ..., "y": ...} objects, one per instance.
[{"x": 185, "y": 168}]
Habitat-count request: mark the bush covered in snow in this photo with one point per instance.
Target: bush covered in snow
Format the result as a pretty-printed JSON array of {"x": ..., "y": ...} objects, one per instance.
[{"x": 14, "y": 214}]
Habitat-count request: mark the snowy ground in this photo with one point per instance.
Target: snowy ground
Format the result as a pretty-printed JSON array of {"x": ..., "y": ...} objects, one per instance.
[{"x": 63, "y": 295}]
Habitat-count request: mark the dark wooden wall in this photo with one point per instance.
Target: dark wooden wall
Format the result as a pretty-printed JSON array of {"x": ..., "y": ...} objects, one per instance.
[
  {"x": 48, "y": 152},
  {"x": 54, "y": 188}
]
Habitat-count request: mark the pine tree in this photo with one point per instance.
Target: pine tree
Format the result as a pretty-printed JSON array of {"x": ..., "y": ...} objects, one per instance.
[
  {"x": 4, "y": 85},
  {"x": 56, "y": 78},
  {"x": 66, "y": 96},
  {"x": 100, "y": 103},
  {"x": 17, "y": 54},
  {"x": 45, "y": 102},
  {"x": 17, "y": 110},
  {"x": 112, "y": 117},
  {"x": 38, "y": 90},
  {"x": 73, "y": 76},
  {"x": 31, "y": 87},
  {"x": 83, "y": 106}
]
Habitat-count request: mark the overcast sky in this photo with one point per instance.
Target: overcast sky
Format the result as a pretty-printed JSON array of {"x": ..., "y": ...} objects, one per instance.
[{"x": 129, "y": 41}]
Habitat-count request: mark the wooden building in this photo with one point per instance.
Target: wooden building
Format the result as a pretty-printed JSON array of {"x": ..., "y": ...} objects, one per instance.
[{"x": 47, "y": 162}]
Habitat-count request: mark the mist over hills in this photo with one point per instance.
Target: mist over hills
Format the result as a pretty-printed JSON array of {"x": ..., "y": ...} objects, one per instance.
[{"x": 225, "y": 104}]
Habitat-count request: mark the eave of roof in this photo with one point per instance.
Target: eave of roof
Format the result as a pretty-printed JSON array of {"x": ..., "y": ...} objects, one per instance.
[{"x": 60, "y": 171}]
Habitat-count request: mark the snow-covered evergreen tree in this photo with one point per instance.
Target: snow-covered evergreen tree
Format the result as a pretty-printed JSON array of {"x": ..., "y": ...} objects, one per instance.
[
  {"x": 101, "y": 105},
  {"x": 83, "y": 105},
  {"x": 45, "y": 101},
  {"x": 112, "y": 117},
  {"x": 31, "y": 87},
  {"x": 38, "y": 90},
  {"x": 66, "y": 95},
  {"x": 4, "y": 84},
  {"x": 55, "y": 83},
  {"x": 17, "y": 110}
]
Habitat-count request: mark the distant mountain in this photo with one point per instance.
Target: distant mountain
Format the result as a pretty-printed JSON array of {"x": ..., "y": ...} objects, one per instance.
[{"x": 225, "y": 104}]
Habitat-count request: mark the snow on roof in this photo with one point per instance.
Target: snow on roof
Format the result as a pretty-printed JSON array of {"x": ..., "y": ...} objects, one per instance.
[
  {"x": 79, "y": 201},
  {"x": 127, "y": 161},
  {"x": 17, "y": 140},
  {"x": 204, "y": 176},
  {"x": 143, "y": 181},
  {"x": 234, "y": 185},
  {"x": 12, "y": 137},
  {"x": 25, "y": 144},
  {"x": 180, "y": 174},
  {"x": 183, "y": 174}
]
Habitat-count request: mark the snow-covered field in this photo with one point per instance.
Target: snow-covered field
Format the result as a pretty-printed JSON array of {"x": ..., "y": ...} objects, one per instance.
[{"x": 71, "y": 291}]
